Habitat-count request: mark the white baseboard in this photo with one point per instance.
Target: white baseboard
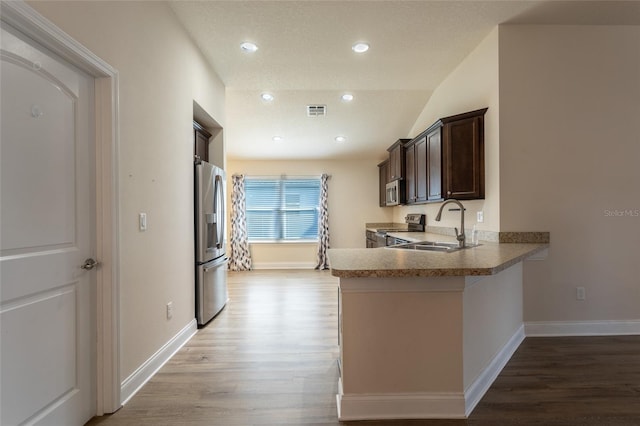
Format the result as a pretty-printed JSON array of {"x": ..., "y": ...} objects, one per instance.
[
  {"x": 427, "y": 405},
  {"x": 400, "y": 406},
  {"x": 474, "y": 393},
  {"x": 138, "y": 378},
  {"x": 283, "y": 265},
  {"x": 581, "y": 328}
]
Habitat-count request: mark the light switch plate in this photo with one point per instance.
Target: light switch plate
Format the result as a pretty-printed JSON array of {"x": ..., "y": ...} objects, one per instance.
[
  {"x": 169, "y": 310},
  {"x": 480, "y": 216},
  {"x": 142, "y": 221}
]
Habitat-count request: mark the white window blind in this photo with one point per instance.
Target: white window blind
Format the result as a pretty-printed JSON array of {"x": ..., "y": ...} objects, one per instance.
[{"x": 282, "y": 209}]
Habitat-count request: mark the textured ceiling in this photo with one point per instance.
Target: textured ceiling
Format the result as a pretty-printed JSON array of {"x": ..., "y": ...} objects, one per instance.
[{"x": 305, "y": 57}]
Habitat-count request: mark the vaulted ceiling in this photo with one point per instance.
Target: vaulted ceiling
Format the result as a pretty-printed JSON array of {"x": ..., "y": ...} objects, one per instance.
[{"x": 305, "y": 57}]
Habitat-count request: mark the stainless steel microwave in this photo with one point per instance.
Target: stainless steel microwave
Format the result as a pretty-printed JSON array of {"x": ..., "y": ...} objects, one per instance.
[{"x": 393, "y": 193}]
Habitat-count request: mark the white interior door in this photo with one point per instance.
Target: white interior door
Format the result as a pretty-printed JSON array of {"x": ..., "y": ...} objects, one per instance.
[{"x": 47, "y": 303}]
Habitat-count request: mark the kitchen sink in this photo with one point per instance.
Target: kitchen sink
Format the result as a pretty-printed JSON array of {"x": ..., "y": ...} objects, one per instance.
[{"x": 431, "y": 246}]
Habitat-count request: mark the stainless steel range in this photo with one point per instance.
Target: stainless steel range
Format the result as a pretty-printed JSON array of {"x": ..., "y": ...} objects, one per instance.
[{"x": 415, "y": 223}]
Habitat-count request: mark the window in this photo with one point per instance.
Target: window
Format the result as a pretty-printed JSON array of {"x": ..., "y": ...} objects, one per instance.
[{"x": 282, "y": 209}]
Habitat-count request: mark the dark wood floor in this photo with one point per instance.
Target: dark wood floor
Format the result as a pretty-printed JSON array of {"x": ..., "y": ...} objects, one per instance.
[{"x": 269, "y": 358}]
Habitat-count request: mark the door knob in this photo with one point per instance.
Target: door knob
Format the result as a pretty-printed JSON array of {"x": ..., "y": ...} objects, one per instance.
[{"x": 89, "y": 264}]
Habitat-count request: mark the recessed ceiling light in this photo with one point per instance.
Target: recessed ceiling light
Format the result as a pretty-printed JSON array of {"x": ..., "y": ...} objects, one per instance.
[
  {"x": 267, "y": 97},
  {"x": 277, "y": 138},
  {"x": 247, "y": 46},
  {"x": 347, "y": 97},
  {"x": 360, "y": 47},
  {"x": 340, "y": 139}
]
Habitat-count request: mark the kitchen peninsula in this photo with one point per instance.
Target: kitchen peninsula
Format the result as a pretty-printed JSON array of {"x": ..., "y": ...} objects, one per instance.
[{"x": 424, "y": 334}]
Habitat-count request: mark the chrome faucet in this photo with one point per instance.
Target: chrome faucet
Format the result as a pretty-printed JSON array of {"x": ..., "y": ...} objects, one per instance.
[{"x": 460, "y": 237}]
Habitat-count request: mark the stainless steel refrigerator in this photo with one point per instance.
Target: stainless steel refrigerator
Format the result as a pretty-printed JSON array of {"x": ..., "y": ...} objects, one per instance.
[{"x": 211, "y": 262}]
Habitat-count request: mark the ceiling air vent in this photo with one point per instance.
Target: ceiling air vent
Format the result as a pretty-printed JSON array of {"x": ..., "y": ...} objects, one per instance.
[{"x": 316, "y": 110}]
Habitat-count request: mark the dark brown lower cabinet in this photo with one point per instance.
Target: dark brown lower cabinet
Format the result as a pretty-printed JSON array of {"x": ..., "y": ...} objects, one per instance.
[{"x": 371, "y": 241}]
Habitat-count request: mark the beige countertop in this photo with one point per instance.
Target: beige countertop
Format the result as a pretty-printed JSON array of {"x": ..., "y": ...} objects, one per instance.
[
  {"x": 486, "y": 259},
  {"x": 389, "y": 228}
]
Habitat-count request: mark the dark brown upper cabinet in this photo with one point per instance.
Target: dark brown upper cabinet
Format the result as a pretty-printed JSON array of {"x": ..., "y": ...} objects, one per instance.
[
  {"x": 433, "y": 140},
  {"x": 463, "y": 155},
  {"x": 416, "y": 180},
  {"x": 396, "y": 160},
  {"x": 383, "y": 178},
  {"x": 445, "y": 161},
  {"x": 200, "y": 142}
]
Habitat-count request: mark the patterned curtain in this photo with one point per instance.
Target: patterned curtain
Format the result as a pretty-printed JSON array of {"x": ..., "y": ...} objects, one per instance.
[
  {"x": 240, "y": 259},
  {"x": 323, "y": 225}
]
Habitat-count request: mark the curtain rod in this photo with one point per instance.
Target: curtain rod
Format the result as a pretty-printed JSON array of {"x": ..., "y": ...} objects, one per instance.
[{"x": 283, "y": 176}]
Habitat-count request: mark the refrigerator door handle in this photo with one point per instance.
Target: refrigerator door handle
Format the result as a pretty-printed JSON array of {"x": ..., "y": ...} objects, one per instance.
[
  {"x": 214, "y": 264},
  {"x": 218, "y": 205}
]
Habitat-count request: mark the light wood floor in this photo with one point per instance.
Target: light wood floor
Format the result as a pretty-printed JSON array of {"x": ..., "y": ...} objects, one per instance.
[{"x": 269, "y": 358}]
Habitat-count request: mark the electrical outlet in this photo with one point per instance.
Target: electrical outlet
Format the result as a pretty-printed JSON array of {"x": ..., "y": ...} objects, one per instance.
[
  {"x": 480, "y": 216},
  {"x": 581, "y": 293},
  {"x": 142, "y": 221},
  {"x": 169, "y": 310}
]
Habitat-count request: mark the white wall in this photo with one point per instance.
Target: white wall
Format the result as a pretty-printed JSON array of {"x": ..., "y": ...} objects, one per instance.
[
  {"x": 562, "y": 147},
  {"x": 353, "y": 201},
  {"x": 560, "y": 152},
  {"x": 161, "y": 73},
  {"x": 569, "y": 153},
  {"x": 492, "y": 317},
  {"x": 472, "y": 85}
]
